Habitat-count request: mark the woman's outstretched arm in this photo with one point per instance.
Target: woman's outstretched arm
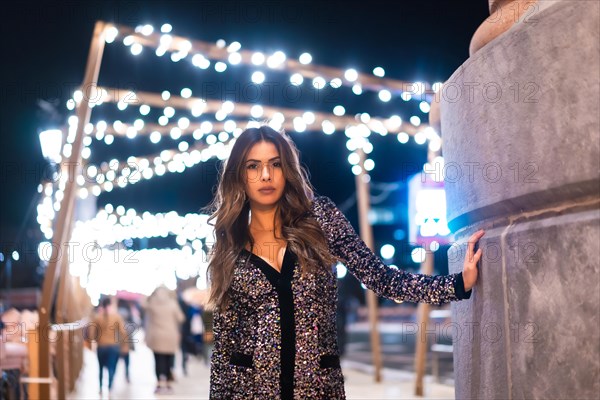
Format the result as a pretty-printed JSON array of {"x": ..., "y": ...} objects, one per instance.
[{"x": 345, "y": 244}]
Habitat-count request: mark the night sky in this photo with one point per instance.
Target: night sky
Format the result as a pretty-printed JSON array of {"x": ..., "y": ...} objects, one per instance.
[{"x": 45, "y": 46}]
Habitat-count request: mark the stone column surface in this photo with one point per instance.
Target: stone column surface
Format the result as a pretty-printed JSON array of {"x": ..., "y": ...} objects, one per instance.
[{"x": 521, "y": 132}]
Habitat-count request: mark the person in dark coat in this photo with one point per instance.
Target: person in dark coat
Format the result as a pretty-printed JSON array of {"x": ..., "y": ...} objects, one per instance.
[
  {"x": 127, "y": 345},
  {"x": 191, "y": 333},
  {"x": 273, "y": 278}
]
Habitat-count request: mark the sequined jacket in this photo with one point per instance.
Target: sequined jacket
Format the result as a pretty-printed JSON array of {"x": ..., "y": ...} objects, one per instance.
[{"x": 277, "y": 339}]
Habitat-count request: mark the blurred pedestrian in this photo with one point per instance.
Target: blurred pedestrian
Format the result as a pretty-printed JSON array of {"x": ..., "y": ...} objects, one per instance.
[
  {"x": 127, "y": 345},
  {"x": 163, "y": 335},
  {"x": 208, "y": 340},
  {"x": 191, "y": 333},
  {"x": 108, "y": 331}
]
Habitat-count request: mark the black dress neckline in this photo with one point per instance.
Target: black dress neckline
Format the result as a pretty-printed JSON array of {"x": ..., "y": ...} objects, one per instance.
[{"x": 274, "y": 276}]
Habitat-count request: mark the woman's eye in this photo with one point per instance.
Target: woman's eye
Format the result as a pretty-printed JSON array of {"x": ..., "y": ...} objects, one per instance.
[{"x": 277, "y": 164}]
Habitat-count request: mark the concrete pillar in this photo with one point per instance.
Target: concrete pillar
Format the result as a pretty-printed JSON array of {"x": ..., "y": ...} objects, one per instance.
[{"x": 520, "y": 123}]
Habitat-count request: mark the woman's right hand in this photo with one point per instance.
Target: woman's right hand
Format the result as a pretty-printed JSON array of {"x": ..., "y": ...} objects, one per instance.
[{"x": 470, "y": 271}]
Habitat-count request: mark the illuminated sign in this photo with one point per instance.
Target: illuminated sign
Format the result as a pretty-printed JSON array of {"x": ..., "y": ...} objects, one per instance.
[{"x": 427, "y": 221}]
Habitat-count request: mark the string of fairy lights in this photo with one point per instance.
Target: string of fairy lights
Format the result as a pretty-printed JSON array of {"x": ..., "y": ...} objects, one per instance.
[
  {"x": 222, "y": 54},
  {"x": 214, "y": 126},
  {"x": 105, "y": 257}
]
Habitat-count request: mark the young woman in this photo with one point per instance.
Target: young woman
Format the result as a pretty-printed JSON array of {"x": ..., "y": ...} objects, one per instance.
[{"x": 273, "y": 281}]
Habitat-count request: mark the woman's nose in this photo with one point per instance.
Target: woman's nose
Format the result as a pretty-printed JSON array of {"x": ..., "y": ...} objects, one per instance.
[{"x": 266, "y": 173}]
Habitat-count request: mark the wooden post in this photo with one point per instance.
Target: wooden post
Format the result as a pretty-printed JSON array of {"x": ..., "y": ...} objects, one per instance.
[
  {"x": 366, "y": 233},
  {"x": 62, "y": 231},
  {"x": 33, "y": 349},
  {"x": 64, "y": 297},
  {"x": 62, "y": 361},
  {"x": 422, "y": 321},
  {"x": 76, "y": 356}
]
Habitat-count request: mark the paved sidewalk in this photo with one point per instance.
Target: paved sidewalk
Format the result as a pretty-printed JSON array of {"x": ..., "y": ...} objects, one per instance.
[
  {"x": 395, "y": 384},
  {"x": 359, "y": 381}
]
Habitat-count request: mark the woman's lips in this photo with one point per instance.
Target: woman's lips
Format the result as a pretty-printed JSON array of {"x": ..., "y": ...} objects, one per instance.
[{"x": 266, "y": 190}]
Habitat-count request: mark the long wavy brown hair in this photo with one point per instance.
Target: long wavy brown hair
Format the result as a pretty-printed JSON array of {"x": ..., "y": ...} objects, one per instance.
[{"x": 230, "y": 210}]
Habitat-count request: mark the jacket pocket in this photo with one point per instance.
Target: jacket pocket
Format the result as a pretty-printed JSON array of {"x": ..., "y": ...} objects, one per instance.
[
  {"x": 329, "y": 361},
  {"x": 241, "y": 378},
  {"x": 241, "y": 360}
]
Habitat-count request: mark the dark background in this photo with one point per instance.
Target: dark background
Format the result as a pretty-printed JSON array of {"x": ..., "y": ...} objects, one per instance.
[{"x": 44, "y": 51}]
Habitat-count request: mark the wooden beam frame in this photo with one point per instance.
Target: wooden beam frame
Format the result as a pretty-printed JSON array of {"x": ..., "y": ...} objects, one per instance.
[{"x": 63, "y": 227}]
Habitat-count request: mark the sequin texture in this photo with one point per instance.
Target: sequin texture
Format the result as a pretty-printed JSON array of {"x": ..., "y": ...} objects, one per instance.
[{"x": 246, "y": 362}]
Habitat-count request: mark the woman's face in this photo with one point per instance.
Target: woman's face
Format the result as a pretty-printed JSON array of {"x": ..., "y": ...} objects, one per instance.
[{"x": 264, "y": 183}]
